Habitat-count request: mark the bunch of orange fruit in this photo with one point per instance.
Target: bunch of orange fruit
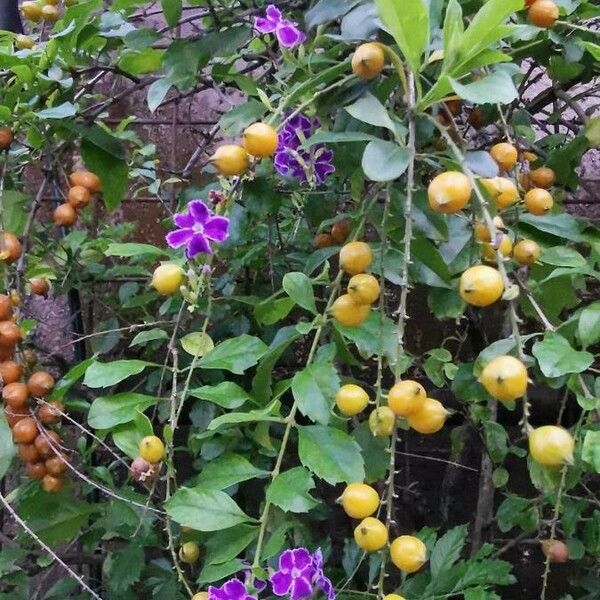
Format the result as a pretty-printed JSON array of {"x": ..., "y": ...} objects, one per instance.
[
  {"x": 83, "y": 186},
  {"x": 43, "y": 10}
]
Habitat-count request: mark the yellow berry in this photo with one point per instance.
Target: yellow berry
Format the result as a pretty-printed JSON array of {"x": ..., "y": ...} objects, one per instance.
[
  {"x": 449, "y": 192},
  {"x": 551, "y": 446},
  {"x": 406, "y": 397},
  {"x": 368, "y": 61},
  {"x": 382, "y": 421},
  {"x": 189, "y": 553},
  {"x": 408, "y": 553},
  {"x": 503, "y": 191},
  {"x": 504, "y": 378},
  {"x": 505, "y": 247},
  {"x": 260, "y": 140},
  {"x": 167, "y": 279},
  {"x": 430, "y": 418},
  {"x": 359, "y": 500},
  {"x": 355, "y": 257},
  {"x": 351, "y": 399},
  {"x": 481, "y": 285},
  {"x": 505, "y": 155},
  {"x": 526, "y": 252},
  {"x": 364, "y": 288},
  {"x": 371, "y": 535},
  {"x": 230, "y": 160},
  {"x": 349, "y": 313},
  {"x": 152, "y": 449},
  {"x": 538, "y": 201}
]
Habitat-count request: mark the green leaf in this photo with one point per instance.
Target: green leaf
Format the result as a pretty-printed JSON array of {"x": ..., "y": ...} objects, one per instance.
[
  {"x": 588, "y": 327},
  {"x": 556, "y": 357},
  {"x": 7, "y": 447},
  {"x": 496, "y": 440},
  {"x": 593, "y": 49},
  {"x": 14, "y": 215},
  {"x": 123, "y": 568},
  {"x": 113, "y": 172},
  {"x": 590, "y": 451},
  {"x": 374, "y": 451},
  {"x": 299, "y": 288},
  {"x": 500, "y": 477},
  {"x": 290, "y": 491},
  {"x": 453, "y": 31},
  {"x": 101, "y": 375},
  {"x": 592, "y": 132},
  {"x": 140, "y": 62},
  {"x": 408, "y": 22},
  {"x": 314, "y": 388},
  {"x": 59, "y": 519},
  {"x": 62, "y": 111},
  {"x": 211, "y": 573},
  {"x": 197, "y": 343},
  {"x": 336, "y": 137},
  {"x": 227, "y": 470},
  {"x": 108, "y": 411},
  {"x": 330, "y": 454},
  {"x": 226, "y": 394},
  {"x": 563, "y": 225},
  {"x": 447, "y": 550},
  {"x": 130, "y": 249},
  {"x": 127, "y": 437},
  {"x": 562, "y": 70},
  {"x": 157, "y": 92},
  {"x": 235, "y": 355},
  {"x": 225, "y": 545},
  {"x": 150, "y": 335},
  {"x": 172, "y": 11},
  {"x": 254, "y": 416},
  {"x": 271, "y": 311},
  {"x": 69, "y": 379},
  {"x": 497, "y": 87},
  {"x": 562, "y": 256},
  {"x": 239, "y": 117},
  {"x": 205, "y": 510},
  {"x": 369, "y": 110},
  {"x": 384, "y": 161}
]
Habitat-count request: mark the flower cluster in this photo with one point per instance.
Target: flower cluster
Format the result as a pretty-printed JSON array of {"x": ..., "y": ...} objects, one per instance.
[
  {"x": 286, "y": 31},
  {"x": 306, "y": 165},
  {"x": 300, "y": 576},
  {"x": 198, "y": 226}
]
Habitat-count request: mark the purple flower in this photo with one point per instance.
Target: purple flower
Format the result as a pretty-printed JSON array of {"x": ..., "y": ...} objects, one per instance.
[
  {"x": 300, "y": 574},
  {"x": 291, "y": 160},
  {"x": 233, "y": 589},
  {"x": 197, "y": 227},
  {"x": 286, "y": 31}
]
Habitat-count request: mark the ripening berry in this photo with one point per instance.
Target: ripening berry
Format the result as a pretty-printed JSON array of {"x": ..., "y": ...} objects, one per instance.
[
  {"x": 189, "y": 553},
  {"x": 346, "y": 311},
  {"x": 35, "y": 471},
  {"x": 86, "y": 179},
  {"x": 526, "y": 252},
  {"x": 31, "y": 10},
  {"x": 152, "y": 449},
  {"x": 505, "y": 248},
  {"x": 543, "y": 13},
  {"x": 230, "y": 160},
  {"x": 10, "y": 372},
  {"x": 556, "y": 551},
  {"x": 10, "y": 247},
  {"x": 363, "y": 288},
  {"x": 371, "y": 535},
  {"x": 40, "y": 384},
  {"x": 351, "y": 399},
  {"x": 323, "y": 240},
  {"x": 449, "y": 192},
  {"x": 544, "y": 177},
  {"x": 167, "y": 279},
  {"x": 260, "y": 140},
  {"x": 52, "y": 484},
  {"x": 65, "y": 215},
  {"x": 504, "y": 378},
  {"x": 408, "y": 553},
  {"x": 50, "y": 13},
  {"x": 481, "y": 285},
  {"x": 430, "y": 417},
  {"x": 505, "y": 155},
  {"x": 6, "y": 307},
  {"x": 355, "y": 257},
  {"x": 24, "y": 42},
  {"x": 538, "y": 201},
  {"x": 382, "y": 421},
  {"x": 368, "y": 61},
  {"x": 359, "y": 500},
  {"x": 15, "y": 395},
  {"x": 79, "y": 197},
  {"x": 406, "y": 397},
  {"x": 25, "y": 431},
  {"x": 503, "y": 191},
  {"x": 551, "y": 446},
  {"x": 340, "y": 231}
]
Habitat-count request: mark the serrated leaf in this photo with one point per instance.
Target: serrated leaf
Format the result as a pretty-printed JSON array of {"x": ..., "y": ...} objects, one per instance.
[
  {"x": 299, "y": 288},
  {"x": 556, "y": 357},
  {"x": 447, "y": 550},
  {"x": 290, "y": 491},
  {"x": 314, "y": 388},
  {"x": 227, "y": 470}
]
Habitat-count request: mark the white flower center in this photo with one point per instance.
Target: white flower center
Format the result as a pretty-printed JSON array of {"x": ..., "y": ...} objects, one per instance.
[
  {"x": 198, "y": 228},
  {"x": 295, "y": 573}
]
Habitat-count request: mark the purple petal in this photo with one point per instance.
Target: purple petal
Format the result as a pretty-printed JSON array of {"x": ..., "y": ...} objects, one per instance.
[
  {"x": 289, "y": 35},
  {"x": 217, "y": 228},
  {"x": 318, "y": 559},
  {"x": 234, "y": 589},
  {"x": 286, "y": 561},
  {"x": 301, "y": 588},
  {"x": 260, "y": 585},
  {"x": 263, "y": 25},
  {"x": 281, "y": 583},
  {"x": 273, "y": 13},
  {"x": 179, "y": 237},
  {"x": 324, "y": 583},
  {"x": 183, "y": 220},
  {"x": 302, "y": 558},
  {"x": 198, "y": 245},
  {"x": 199, "y": 211},
  {"x": 215, "y": 593}
]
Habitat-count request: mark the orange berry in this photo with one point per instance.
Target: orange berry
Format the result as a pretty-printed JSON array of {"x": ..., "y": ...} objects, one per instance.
[
  {"x": 449, "y": 192},
  {"x": 323, "y": 240},
  {"x": 368, "y": 61},
  {"x": 543, "y": 13},
  {"x": 65, "y": 215},
  {"x": 10, "y": 247},
  {"x": 526, "y": 252},
  {"x": 86, "y": 179},
  {"x": 6, "y": 138},
  {"x": 79, "y": 196},
  {"x": 340, "y": 231},
  {"x": 538, "y": 201},
  {"x": 544, "y": 177},
  {"x": 505, "y": 155}
]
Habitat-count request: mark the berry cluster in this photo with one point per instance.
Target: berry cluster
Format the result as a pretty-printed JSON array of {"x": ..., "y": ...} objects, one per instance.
[{"x": 84, "y": 185}]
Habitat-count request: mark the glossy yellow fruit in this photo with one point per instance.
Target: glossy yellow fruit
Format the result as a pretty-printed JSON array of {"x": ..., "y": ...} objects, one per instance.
[
  {"x": 526, "y": 252},
  {"x": 371, "y": 535},
  {"x": 408, "y": 553},
  {"x": 393, "y": 597},
  {"x": 482, "y": 233},
  {"x": 505, "y": 155},
  {"x": 481, "y": 285},
  {"x": 430, "y": 418},
  {"x": 230, "y": 160},
  {"x": 406, "y": 397},
  {"x": 24, "y": 42},
  {"x": 351, "y": 399},
  {"x": 505, "y": 247},
  {"x": 505, "y": 378},
  {"x": 368, "y": 61},
  {"x": 50, "y": 13},
  {"x": 538, "y": 201},
  {"x": 260, "y": 140},
  {"x": 364, "y": 288},
  {"x": 502, "y": 190},
  {"x": 200, "y": 596},
  {"x": 355, "y": 257},
  {"x": 31, "y": 10},
  {"x": 359, "y": 500},
  {"x": 449, "y": 192},
  {"x": 167, "y": 279},
  {"x": 189, "y": 553},
  {"x": 530, "y": 157},
  {"x": 349, "y": 313},
  {"x": 544, "y": 177},
  {"x": 382, "y": 421},
  {"x": 551, "y": 446},
  {"x": 152, "y": 449}
]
